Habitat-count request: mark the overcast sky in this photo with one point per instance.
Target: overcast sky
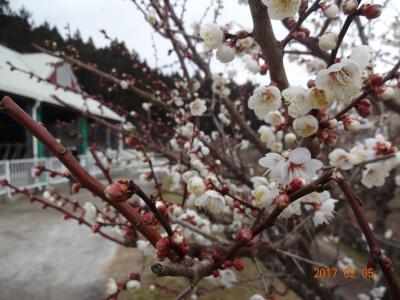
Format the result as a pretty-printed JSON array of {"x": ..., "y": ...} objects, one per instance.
[{"x": 122, "y": 20}]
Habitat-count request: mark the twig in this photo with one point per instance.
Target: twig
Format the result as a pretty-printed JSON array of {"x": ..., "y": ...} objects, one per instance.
[{"x": 377, "y": 255}]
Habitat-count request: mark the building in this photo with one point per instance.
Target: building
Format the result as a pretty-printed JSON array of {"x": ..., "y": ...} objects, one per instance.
[{"x": 36, "y": 97}]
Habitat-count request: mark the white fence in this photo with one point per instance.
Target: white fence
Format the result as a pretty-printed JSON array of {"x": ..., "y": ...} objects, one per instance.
[{"x": 20, "y": 172}]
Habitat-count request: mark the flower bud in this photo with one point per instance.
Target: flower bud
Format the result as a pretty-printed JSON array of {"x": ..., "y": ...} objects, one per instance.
[
  {"x": 244, "y": 234},
  {"x": 387, "y": 93},
  {"x": 328, "y": 41},
  {"x": 323, "y": 134},
  {"x": 290, "y": 139},
  {"x": 75, "y": 187},
  {"x": 364, "y": 111},
  {"x": 364, "y": 102},
  {"x": 163, "y": 244},
  {"x": 351, "y": 125},
  {"x": 225, "y": 54},
  {"x": 216, "y": 256},
  {"x": 215, "y": 273},
  {"x": 330, "y": 10},
  {"x": 371, "y": 11},
  {"x": 322, "y": 116},
  {"x": 296, "y": 184},
  {"x": 332, "y": 139},
  {"x": 118, "y": 191},
  {"x": 350, "y": 6},
  {"x": 282, "y": 200},
  {"x": 238, "y": 264}
]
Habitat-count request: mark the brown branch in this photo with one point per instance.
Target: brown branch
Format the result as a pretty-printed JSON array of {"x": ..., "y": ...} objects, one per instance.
[
  {"x": 376, "y": 252},
  {"x": 9, "y": 107},
  {"x": 303, "y": 17},
  {"x": 271, "y": 48},
  {"x": 341, "y": 36},
  {"x": 105, "y": 170}
]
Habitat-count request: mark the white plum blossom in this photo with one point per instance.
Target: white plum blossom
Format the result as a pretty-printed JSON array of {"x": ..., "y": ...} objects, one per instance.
[
  {"x": 388, "y": 93},
  {"x": 317, "y": 99},
  {"x": 196, "y": 186},
  {"x": 267, "y": 135},
  {"x": 264, "y": 195},
  {"x": 259, "y": 180},
  {"x": 299, "y": 105},
  {"x": 274, "y": 118},
  {"x": 388, "y": 234},
  {"x": 256, "y": 297},
  {"x": 341, "y": 81},
  {"x": 225, "y": 54},
  {"x": 378, "y": 292},
  {"x": 305, "y": 126},
  {"x": 146, "y": 248},
  {"x": 251, "y": 64},
  {"x": 124, "y": 84},
  {"x": 345, "y": 262},
  {"x": 340, "y": 158},
  {"x": 132, "y": 284},
  {"x": 327, "y": 41},
  {"x": 363, "y": 296},
  {"x": 374, "y": 175},
  {"x": 281, "y": 9},
  {"x": 198, "y": 107},
  {"x": 171, "y": 181},
  {"x": 151, "y": 16},
  {"x": 362, "y": 55},
  {"x": 212, "y": 36},
  {"x": 265, "y": 100},
  {"x": 227, "y": 277},
  {"x": 324, "y": 212},
  {"x": 111, "y": 287},
  {"x": 90, "y": 211},
  {"x": 211, "y": 200},
  {"x": 298, "y": 165},
  {"x": 314, "y": 65}
]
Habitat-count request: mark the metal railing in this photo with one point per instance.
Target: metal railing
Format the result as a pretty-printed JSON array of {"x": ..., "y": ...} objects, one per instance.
[{"x": 20, "y": 172}]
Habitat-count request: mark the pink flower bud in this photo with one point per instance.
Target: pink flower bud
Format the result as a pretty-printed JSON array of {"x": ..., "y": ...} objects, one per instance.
[
  {"x": 238, "y": 264},
  {"x": 282, "y": 200},
  {"x": 215, "y": 273},
  {"x": 364, "y": 111},
  {"x": 75, "y": 187},
  {"x": 332, "y": 139},
  {"x": 351, "y": 125},
  {"x": 162, "y": 244},
  {"x": 371, "y": 11},
  {"x": 322, "y": 116},
  {"x": 118, "y": 191},
  {"x": 244, "y": 234},
  {"x": 350, "y": 6},
  {"x": 296, "y": 184}
]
